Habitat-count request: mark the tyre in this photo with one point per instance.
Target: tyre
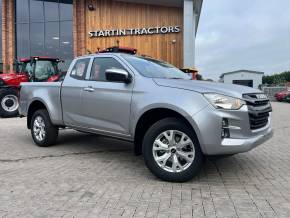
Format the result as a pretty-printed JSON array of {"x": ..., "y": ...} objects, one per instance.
[
  {"x": 287, "y": 99},
  {"x": 9, "y": 103},
  {"x": 43, "y": 132},
  {"x": 171, "y": 151}
]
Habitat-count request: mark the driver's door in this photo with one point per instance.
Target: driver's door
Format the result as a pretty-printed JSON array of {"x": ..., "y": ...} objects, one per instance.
[{"x": 106, "y": 105}]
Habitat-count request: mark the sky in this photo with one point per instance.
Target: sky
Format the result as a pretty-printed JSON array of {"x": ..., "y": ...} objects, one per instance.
[{"x": 247, "y": 34}]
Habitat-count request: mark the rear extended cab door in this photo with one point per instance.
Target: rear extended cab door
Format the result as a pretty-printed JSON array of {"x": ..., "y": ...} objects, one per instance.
[{"x": 71, "y": 91}]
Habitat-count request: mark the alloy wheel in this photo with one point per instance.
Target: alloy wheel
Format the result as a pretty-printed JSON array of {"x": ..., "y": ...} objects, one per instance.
[
  {"x": 173, "y": 151},
  {"x": 39, "y": 128}
]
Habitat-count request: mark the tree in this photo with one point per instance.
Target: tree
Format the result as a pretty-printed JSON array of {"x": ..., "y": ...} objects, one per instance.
[{"x": 277, "y": 79}]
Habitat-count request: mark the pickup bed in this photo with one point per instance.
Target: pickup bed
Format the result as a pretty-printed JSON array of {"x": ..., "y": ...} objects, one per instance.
[{"x": 173, "y": 121}]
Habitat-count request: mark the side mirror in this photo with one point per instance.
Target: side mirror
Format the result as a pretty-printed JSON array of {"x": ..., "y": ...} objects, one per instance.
[{"x": 118, "y": 75}]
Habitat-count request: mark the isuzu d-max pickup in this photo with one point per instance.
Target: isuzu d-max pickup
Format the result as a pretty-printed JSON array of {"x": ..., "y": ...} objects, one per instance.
[{"x": 172, "y": 120}]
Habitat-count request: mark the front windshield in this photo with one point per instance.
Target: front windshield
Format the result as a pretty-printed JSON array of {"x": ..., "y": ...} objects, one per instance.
[{"x": 153, "y": 68}]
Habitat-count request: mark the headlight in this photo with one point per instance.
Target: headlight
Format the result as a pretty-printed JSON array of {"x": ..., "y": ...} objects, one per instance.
[{"x": 224, "y": 102}]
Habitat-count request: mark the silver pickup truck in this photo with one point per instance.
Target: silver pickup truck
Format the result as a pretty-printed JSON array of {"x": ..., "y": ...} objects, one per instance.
[{"x": 173, "y": 121}]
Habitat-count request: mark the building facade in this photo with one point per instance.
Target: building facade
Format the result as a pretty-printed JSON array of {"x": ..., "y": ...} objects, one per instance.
[
  {"x": 243, "y": 77},
  {"x": 163, "y": 29}
]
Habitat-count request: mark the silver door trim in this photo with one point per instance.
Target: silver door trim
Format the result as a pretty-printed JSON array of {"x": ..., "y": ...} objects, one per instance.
[{"x": 102, "y": 132}]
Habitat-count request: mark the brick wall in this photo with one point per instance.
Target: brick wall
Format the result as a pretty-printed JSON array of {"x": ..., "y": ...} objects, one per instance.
[
  {"x": 79, "y": 27},
  {"x": 8, "y": 36}
]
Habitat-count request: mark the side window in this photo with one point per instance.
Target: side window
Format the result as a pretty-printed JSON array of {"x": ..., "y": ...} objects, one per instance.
[
  {"x": 28, "y": 68},
  {"x": 80, "y": 68},
  {"x": 100, "y": 65}
]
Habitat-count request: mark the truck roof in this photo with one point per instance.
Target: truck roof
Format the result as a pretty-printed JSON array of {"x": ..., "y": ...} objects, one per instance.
[{"x": 103, "y": 54}]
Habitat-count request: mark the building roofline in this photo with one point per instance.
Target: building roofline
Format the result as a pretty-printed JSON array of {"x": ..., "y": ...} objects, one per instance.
[{"x": 238, "y": 71}]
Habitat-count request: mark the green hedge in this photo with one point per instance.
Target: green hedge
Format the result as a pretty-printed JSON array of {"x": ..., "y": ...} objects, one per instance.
[{"x": 277, "y": 79}]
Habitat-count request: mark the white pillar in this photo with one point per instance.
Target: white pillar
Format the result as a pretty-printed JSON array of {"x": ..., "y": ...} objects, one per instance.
[{"x": 189, "y": 30}]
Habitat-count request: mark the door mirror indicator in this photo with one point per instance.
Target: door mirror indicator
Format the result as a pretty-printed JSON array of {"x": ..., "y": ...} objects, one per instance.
[{"x": 118, "y": 75}]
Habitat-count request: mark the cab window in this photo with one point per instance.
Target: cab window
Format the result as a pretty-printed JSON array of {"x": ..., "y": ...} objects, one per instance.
[
  {"x": 80, "y": 68},
  {"x": 44, "y": 70},
  {"x": 100, "y": 65},
  {"x": 26, "y": 68}
]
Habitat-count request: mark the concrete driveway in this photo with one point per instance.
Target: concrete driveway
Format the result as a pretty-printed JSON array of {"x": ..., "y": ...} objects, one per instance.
[{"x": 91, "y": 176}]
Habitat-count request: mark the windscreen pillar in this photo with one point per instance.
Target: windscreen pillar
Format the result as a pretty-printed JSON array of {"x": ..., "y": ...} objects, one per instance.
[{"x": 189, "y": 32}]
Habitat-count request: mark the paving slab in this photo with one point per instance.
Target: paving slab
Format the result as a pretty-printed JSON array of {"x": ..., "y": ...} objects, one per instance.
[{"x": 92, "y": 176}]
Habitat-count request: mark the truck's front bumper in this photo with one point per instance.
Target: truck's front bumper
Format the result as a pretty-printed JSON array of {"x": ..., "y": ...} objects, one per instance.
[
  {"x": 233, "y": 146},
  {"x": 208, "y": 125}
]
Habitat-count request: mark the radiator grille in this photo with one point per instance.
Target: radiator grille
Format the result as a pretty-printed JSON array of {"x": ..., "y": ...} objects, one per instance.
[{"x": 259, "y": 110}]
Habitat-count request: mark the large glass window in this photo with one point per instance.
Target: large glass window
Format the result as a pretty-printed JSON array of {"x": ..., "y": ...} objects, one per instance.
[
  {"x": 36, "y": 11},
  {"x": 22, "y": 11},
  {"x": 37, "y": 39},
  {"x": 51, "y": 10},
  {"x": 44, "y": 28},
  {"x": 22, "y": 38}
]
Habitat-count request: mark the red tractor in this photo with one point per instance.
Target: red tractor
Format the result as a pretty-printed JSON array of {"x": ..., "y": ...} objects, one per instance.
[{"x": 34, "y": 69}]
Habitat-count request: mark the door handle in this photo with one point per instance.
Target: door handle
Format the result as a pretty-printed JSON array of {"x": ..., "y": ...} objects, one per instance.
[{"x": 89, "y": 89}]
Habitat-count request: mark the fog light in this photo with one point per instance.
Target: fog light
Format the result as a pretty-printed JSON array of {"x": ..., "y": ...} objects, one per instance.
[
  {"x": 225, "y": 123},
  {"x": 225, "y": 128}
]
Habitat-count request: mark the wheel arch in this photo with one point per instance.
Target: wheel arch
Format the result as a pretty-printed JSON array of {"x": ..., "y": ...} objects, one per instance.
[
  {"x": 9, "y": 88},
  {"x": 35, "y": 105},
  {"x": 151, "y": 116}
]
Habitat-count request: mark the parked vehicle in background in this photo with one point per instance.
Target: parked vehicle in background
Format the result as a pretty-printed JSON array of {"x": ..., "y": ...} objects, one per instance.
[
  {"x": 287, "y": 98},
  {"x": 280, "y": 96},
  {"x": 173, "y": 121},
  {"x": 34, "y": 69}
]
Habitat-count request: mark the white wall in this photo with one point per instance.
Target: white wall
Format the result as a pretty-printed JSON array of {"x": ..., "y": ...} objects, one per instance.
[
  {"x": 189, "y": 29},
  {"x": 257, "y": 78}
]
